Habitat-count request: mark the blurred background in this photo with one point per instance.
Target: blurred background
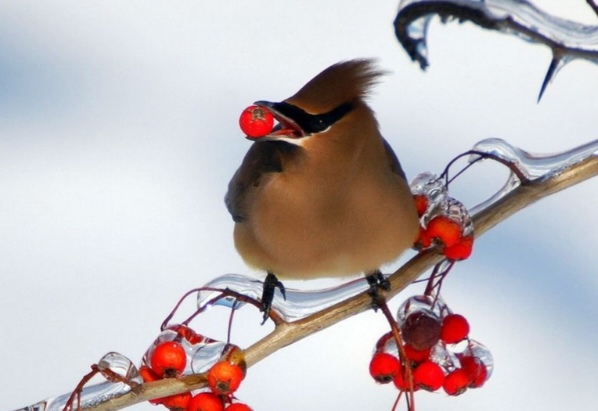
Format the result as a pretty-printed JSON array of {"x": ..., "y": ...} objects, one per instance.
[{"x": 119, "y": 134}]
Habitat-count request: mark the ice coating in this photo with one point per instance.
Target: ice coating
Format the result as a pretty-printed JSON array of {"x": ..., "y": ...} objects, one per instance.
[
  {"x": 531, "y": 166},
  {"x": 202, "y": 352},
  {"x": 297, "y": 305},
  {"x": 419, "y": 303},
  {"x": 567, "y": 39},
  {"x": 433, "y": 188},
  {"x": 96, "y": 393},
  {"x": 479, "y": 350}
]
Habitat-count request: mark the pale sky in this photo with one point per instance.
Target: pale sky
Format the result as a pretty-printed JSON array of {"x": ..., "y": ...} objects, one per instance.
[{"x": 118, "y": 135}]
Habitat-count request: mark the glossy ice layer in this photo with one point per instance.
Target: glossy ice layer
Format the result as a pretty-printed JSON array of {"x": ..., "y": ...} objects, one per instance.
[
  {"x": 297, "y": 305},
  {"x": 531, "y": 166},
  {"x": 567, "y": 39},
  {"x": 94, "y": 394},
  {"x": 202, "y": 352}
]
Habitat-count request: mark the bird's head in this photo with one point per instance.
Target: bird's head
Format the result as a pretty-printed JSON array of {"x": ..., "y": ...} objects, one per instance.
[{"x": 325, "y": 100}]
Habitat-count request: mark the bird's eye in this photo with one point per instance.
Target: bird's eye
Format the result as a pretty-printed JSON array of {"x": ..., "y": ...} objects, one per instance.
[{"x": 317, "y": 124}]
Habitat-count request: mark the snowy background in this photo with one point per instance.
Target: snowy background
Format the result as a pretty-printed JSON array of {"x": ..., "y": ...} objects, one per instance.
[{"x": 118, "y": 135}]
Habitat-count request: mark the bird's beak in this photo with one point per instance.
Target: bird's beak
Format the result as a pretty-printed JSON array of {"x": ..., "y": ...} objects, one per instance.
[{"x": 287, "y": 116}]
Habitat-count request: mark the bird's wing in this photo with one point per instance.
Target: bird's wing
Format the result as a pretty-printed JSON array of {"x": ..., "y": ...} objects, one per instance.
[
  {"x": 393, "y": 160},
  {"x": 263, "y": 157}
]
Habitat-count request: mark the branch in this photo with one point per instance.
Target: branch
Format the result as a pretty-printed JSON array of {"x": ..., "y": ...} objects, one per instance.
[
  {"x": 287, "y": 333},
  {"x": 566, "y": 39}
]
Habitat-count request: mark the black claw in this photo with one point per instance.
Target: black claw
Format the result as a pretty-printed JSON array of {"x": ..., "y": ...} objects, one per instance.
[
  {"x": 377, "y": 282},
  {"x": 271, "y": 283}
]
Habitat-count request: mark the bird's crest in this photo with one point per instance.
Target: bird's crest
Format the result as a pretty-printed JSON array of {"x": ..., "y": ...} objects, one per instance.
[{"x": 340, "y": 83}]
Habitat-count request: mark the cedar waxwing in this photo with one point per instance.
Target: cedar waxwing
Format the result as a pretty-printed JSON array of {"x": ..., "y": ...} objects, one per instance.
[{"x": 323, "y": 194}]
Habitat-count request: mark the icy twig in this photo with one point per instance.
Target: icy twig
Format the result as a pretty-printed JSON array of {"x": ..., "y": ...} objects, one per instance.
[{"x": 566, "y": 39}]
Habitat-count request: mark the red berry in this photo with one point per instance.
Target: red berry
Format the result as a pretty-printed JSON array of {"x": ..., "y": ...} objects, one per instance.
[
  {"x": 224, "y": 377},
  {"x": 461, "y": 250},
  {"x": 444, "y": 230},
  {"x": 238, "y": 406},
  {"x": 149, "y": 376},
  {"x": 475, "y": 369},
  {"x": 421, "y": 330},
  {"x": 482, "y": 377},
  {"x": 417, "y": 355},
  {"x": 384, "y": 367},
  {"x": 256, "y": 121},
  {"x": 177, "y": 402},
  {"x": 428, "y": 375},
  {"x": 168, "y": 359},
  {"x": 423, "y": 240},
  {"x": 456, "y": 382},
  {"x": 421, "y": 203},
  {"x": 455, "y": 328},
  {"x": 205, "y": 401},
  {"x": 400, "y": 381}
]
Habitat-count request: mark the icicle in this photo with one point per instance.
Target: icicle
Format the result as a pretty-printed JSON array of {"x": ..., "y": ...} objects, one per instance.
[{"x": 556, "y": 65}]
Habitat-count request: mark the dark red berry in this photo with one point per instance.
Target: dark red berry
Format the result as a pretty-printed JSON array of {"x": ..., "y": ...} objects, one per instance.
[{"x": 421, "y": 330}]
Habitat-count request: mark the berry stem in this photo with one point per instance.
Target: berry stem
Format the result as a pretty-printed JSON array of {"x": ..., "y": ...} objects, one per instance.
[
  {"x": 482, "y": 156},
  {"x": 230, "y": 321},
  {"x": 402, "y": 354},
  {"x": 394, "y": 406},
  {"x": 433, "y": 287}
]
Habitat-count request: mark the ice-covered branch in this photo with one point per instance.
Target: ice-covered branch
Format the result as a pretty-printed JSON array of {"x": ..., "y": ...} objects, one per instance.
[
  {"x": 307, "y": 313},
  {"x": 567, "y": 39}
]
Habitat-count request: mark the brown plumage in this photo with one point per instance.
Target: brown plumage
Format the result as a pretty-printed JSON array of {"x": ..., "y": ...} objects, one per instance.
[{"x": 325, "y": 194}]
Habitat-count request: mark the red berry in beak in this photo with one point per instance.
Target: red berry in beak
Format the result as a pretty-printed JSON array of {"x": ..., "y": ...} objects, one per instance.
[{"x": 256, "y": 121}]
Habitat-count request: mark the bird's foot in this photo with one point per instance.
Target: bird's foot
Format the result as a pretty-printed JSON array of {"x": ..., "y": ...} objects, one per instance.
[
  {"x": 271, "y": 283},
  {"x": 377, "y": 282}
]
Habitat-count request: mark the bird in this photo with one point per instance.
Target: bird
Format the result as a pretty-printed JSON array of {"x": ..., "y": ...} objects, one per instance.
[{"x": 323, "y": 194}]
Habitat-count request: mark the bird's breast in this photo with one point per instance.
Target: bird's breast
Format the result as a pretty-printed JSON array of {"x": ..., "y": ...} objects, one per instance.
[{"x": 326, "y": 223}]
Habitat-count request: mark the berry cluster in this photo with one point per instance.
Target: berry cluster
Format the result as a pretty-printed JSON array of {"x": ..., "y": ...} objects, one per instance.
[
  {"x": 444, "y": 221},
  {"x": 256, "y": 121},
  {"x": 436, "y": 352},
  {"x": 175, "y": 353}
]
